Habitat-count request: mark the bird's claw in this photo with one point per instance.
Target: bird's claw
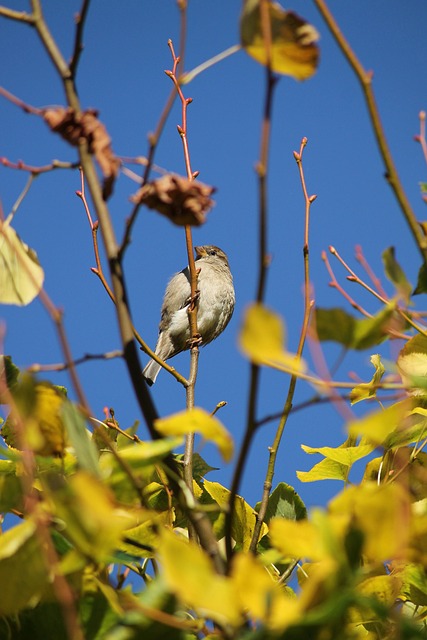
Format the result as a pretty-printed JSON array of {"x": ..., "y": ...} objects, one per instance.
[{"x": 195, "y": 341}]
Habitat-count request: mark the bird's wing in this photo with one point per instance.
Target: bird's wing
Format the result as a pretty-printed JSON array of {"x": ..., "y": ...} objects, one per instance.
[{"x": 178, "y": 296}]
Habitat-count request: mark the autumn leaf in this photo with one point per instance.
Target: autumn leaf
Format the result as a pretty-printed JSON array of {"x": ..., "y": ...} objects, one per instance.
[
  {"x": 73, "y": 127},
  {"x": 262, "y": 340},
  {"x": 21, "y": 276},
  {"x": 181, "y": 200},
  {"x": 198, "y": 421},
  {"x": 294, "y": 51}
]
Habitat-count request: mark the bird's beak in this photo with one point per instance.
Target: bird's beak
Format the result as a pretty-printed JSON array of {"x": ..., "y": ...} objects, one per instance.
[{"x": 201, "y": 252}]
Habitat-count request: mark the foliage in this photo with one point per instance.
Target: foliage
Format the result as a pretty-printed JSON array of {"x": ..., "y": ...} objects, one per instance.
[{"x": 119, "y": 538}]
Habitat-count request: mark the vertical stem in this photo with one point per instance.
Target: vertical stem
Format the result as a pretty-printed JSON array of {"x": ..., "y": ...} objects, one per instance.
[
  {"x": 263, "y": 263},
  {"x": 365, "y": 80}
]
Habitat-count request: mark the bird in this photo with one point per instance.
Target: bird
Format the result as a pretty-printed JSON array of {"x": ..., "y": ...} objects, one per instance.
[{"x": 215, "y": 306}]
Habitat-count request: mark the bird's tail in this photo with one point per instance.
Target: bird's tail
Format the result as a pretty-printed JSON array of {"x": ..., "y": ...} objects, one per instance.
[{"x": 151, "y": 371}]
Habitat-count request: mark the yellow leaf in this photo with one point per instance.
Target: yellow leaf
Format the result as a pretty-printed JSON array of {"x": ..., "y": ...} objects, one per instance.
[
  {"x": 38, "y": 411},
  {"x": 293, "y": 41},
  {"x": 296, "y": 539},
  {"x": 380, "y": 512},
  {"x": 260, "y": 596},
  {"x": 90, "y": 518},
  {"x": 378, "y": 425},
  {"x": 23, "y": 568},
  {"x": 21, "y": 276},
  {"x": 244, "y": 515},
  {"x": 189, "y": 573},
  {"x": 343, "y": 455},
  {"x": 262, "y": 338},
  {"x": 383, "y": 588},
  {"x": 324, "y": 470},
  {"x": 198, "y": 420}
]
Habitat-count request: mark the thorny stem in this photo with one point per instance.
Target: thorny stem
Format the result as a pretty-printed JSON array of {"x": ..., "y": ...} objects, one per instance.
[
  {"x": 353, "y": 277},
  {"x": 374, "y": 279},
  {"x": 263, "y": 263},
  {"x": 192, "y": 309},
  {"x": 143, "y": 396},
  {"x": 154, "y": 138},
  {"x": 98, "y": 271},
  {"x": 78, "y": 41},
  {"x": 365, "y": 80},
  {"x": 308, "y": 305}
]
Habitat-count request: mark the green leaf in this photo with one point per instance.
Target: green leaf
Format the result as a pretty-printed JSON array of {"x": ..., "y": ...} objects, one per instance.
[
  {"x": 284, "y": 502},
  {"x": 10, "y": 487},
  {"x": 326, "y": 469},
  {"x": 22, "y": 558},
  {"x": 368, "y": 389},
  {"x": 339, "y": 326},
  {"x": 395, "y": 274},
  {"x": 412, "y": 364},
  {"x": 11, "y": 372},
  {"x": 422, "y": 280},
  {"x": 85, "y": 449},
  {"x": 200, "y": 466},
  {"x": 21, "y": 276},
  {"x": 346, "y": 455}
]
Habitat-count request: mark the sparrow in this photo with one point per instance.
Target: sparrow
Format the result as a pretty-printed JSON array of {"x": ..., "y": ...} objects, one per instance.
[{"x": 215, "y": 306}]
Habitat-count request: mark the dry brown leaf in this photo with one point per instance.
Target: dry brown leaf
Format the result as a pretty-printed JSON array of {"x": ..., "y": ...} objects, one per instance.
[
  {"x": 86, "y": 125},
  {"x": 183, "y": 201}
]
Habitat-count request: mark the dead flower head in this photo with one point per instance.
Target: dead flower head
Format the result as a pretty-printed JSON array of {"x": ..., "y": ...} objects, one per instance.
[{"x": 183, "y": 201}]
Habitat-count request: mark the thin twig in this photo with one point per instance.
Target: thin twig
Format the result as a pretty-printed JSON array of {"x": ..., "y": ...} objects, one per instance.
[
  {"x": 153, "y": 138},
  {"x": 80, "y": 20},
  {"x": 99, "y": 272},
  {"x": 192, "y": 309},
  {"x": 263, "y": 264},
  {"x": 308, "y": 305},
  {"x": 22, "y": 166},
  {"x": 63, "y": 366},
  {"x": 365, "y": 264},
  {"x": 365, "y": 80}
]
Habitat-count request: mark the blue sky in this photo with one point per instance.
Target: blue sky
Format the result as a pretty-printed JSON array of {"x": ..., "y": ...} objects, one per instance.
[{"x": 121, "y": 73}]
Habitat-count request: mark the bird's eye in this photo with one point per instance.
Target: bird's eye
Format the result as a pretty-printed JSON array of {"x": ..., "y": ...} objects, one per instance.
[{"x": 212, "y": 252}]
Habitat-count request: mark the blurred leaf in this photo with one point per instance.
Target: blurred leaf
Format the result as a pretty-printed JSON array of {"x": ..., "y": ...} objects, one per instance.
[
  {"x": 414, "y": 584},
  {"x": 200, "y": 421},
  {"x": 284, "y": 502},
  {"x": 296, "y": 539},
  {"x": 378, "y": 425},
  {"x": 23, "y": 569},
  {"x": 38, "y": 424},
  {"x": 395, "y": 274},
  {"x": 293, "y": 41},
  {"x": 262, "y": 340},
  {"x": 380, "y": 512},
  {"x": 422, "y": 280},
  {"x": 140, "y": 458},
  {"x": 11, "y": 493},
  {"x": 190, "y": 574},
  {"x": 339, "y": 326},
  {"x": 412, "y": 364},
  {"x": 21, "y": 276},
  {"x": 91, "y": 520},
  {"x": 143, "y": 539},
  {"x": 366, "y": 390},
  {"x": 259, "y": 596},
  {"x": 10, "y": 373},
  {"x": 84, "y": 448}
]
